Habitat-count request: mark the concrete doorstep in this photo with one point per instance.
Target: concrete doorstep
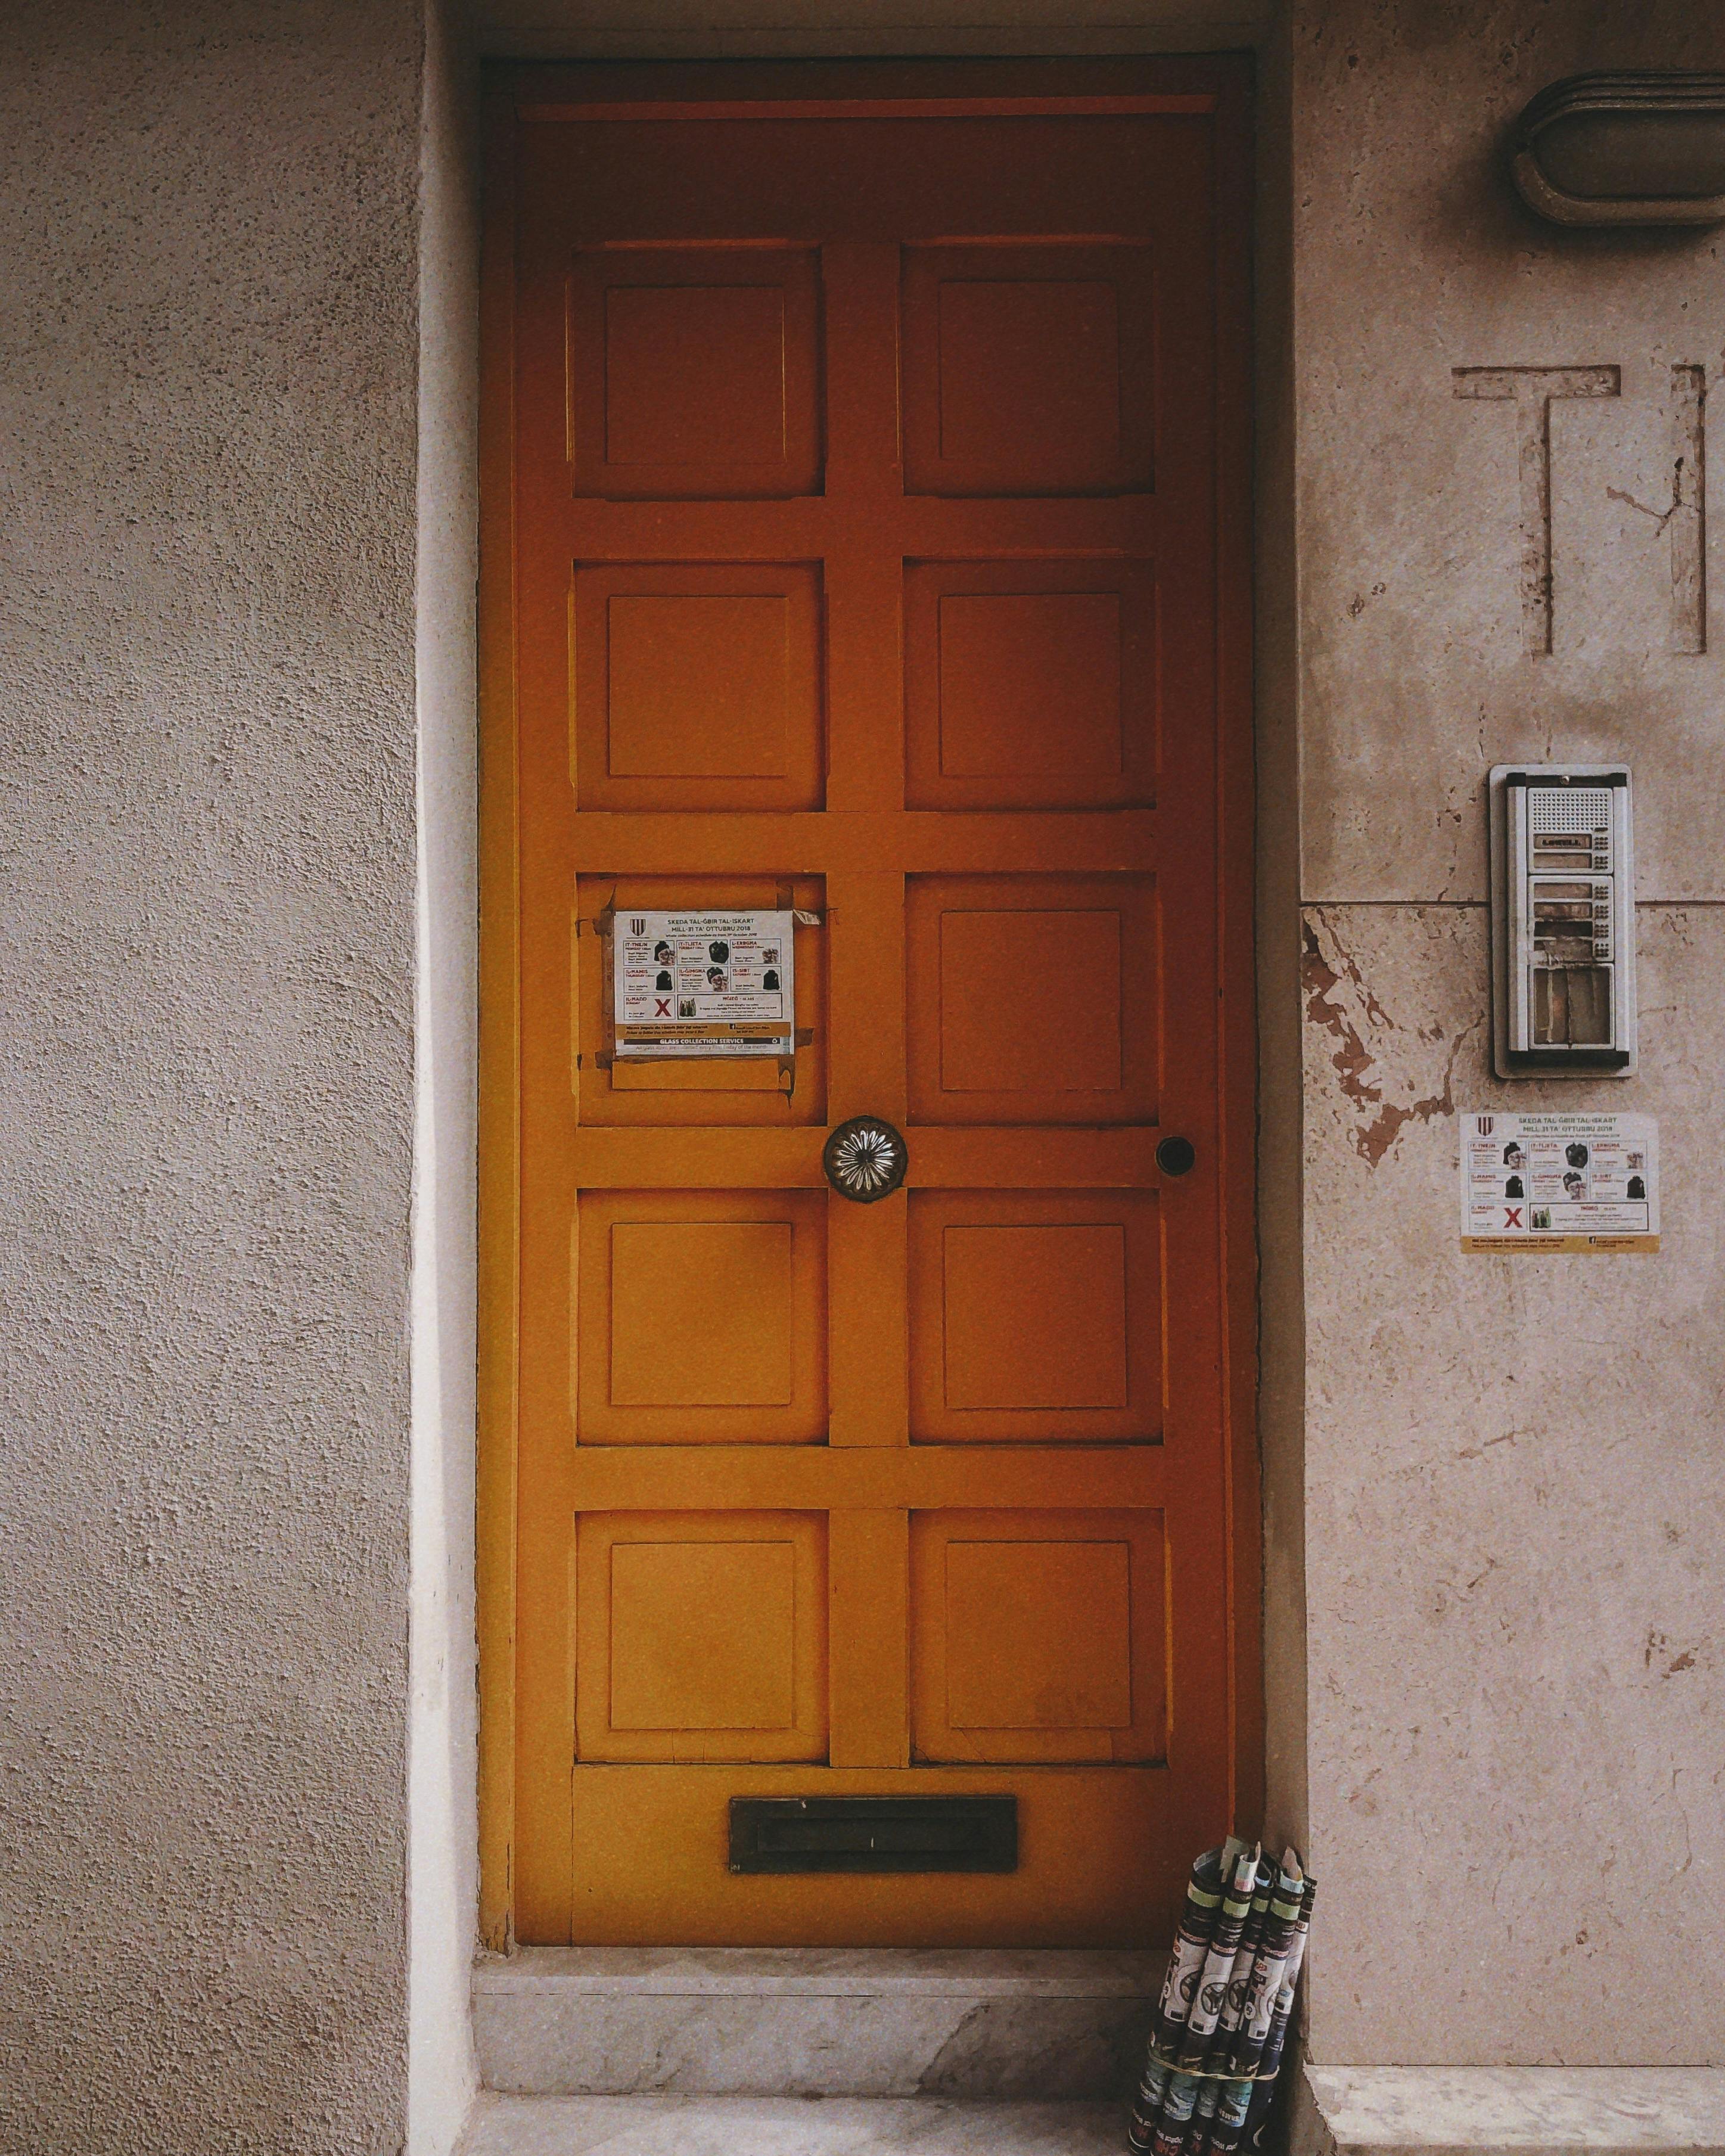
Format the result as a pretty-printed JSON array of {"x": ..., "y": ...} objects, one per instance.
[
  {"x": 1021, "y": 2026},
  {"x": 807, "y": 2052},
  {"x": 787, "y": 2125}
]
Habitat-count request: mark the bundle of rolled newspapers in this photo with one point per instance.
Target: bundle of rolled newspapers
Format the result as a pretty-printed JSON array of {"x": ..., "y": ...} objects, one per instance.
[{"x": 1221, "y": 2025}]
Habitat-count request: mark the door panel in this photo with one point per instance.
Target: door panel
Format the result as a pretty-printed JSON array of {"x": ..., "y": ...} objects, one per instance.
[
  {"x": 701, "y": 1635},
  {"x": 866, "y": 464},
  {"x": 640, "y": 1094},
  {"x": 693, "y": 373},
  {"x": 1031, "y": 684},
  {"x": 697, "y": 686},
  {"x": 701, "y": 1318},
  {"x": 1033, "y": 999},
  {"x": 1035, "y": 1315},
  {"x": 1037, "y": 1636},
  {"x": 1029, "y": 369}
]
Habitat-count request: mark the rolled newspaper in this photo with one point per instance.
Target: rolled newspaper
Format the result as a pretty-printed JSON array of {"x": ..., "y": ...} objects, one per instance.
[
  {"x": 1263, "y": 2094},
  {"x": 1181, "y": 2095},
  {"x": 1245, "y": 2059},
  {"x": 1179, "y": 1987},
  {"x": 1242, "y": 1991}
]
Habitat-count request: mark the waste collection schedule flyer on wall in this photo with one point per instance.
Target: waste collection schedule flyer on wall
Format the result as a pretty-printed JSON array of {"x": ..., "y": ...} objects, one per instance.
[
  {"x": 1573, "y": 1182},
  {"x": 704, "y": 984}
]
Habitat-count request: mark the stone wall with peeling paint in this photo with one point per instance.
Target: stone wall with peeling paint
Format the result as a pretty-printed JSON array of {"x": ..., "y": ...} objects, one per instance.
[{"x": 1515, "y": 1468}]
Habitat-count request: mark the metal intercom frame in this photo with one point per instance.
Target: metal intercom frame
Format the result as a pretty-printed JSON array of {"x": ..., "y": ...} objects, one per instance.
[{"x": 1544, "y": 818}]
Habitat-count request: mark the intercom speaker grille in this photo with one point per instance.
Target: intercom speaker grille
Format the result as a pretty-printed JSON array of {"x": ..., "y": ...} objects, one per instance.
[{"x": 1568, "y": 810}]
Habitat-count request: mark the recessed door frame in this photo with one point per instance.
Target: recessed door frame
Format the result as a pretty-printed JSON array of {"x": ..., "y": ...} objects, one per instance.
[{"x": 1222, "y": 83}]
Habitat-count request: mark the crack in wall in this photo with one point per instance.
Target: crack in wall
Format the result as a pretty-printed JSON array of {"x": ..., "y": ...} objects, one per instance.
[{"x": 1660, "y": 517}]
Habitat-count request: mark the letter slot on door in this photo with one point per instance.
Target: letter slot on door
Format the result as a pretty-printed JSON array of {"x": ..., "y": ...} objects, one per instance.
[{"x": 1562, "y": 921}]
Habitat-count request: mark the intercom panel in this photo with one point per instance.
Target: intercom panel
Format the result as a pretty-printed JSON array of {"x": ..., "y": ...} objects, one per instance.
[{"x": 1562, "y": 921}]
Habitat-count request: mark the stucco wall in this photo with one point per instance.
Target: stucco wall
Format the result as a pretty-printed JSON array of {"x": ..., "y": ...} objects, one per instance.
[
  {"x": 207, "y": 359},
  {"x": 1515, "y": 1507}
]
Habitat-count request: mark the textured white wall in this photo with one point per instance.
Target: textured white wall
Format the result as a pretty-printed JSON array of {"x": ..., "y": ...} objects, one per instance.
[
  {"x": 1515, "y": 1506},
  {"x": 208, "y": 362}
]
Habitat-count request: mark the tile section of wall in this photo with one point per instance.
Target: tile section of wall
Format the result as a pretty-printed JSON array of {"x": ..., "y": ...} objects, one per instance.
[
  {"x": 1515, "y": 1533},
  {"x": 1423, "y": 621}
]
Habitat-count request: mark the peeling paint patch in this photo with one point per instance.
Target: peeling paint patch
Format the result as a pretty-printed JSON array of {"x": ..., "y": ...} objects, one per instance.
[{"x": 1341, "y": 1001}]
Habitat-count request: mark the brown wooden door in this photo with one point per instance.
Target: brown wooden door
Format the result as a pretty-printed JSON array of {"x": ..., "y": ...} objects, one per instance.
[{"x": 870, "y": 489}]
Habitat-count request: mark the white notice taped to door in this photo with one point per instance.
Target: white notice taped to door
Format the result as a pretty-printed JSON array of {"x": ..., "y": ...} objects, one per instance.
[
  {"x": 703, "y": 984},
  {"x": 1572, "y": 1182}
]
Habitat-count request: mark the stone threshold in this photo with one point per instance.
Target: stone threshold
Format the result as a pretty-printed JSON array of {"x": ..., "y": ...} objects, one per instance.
[
  {"x": 1024, "y": 2025},
  {"x": 765, "y": 2126},
  {"x": 1520, "y": 2111}
]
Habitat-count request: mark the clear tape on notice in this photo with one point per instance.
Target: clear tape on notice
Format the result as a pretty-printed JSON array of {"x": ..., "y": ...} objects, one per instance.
[{"x": 600, "y": 923}]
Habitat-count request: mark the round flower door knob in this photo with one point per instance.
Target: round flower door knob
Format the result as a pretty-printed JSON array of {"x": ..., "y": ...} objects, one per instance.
[{"x": 865, "y": 1159}]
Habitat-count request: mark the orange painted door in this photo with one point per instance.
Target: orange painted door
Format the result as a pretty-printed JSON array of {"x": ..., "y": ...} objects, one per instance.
[{"x": 871, "y": 448}]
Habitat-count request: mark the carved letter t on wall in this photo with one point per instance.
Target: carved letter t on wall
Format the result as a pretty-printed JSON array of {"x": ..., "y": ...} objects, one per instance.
[{"x": 1531, "y": 389}]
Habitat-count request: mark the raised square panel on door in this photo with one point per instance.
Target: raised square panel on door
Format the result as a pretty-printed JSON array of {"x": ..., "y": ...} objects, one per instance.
[
  {"x": 1032, "y": 998},
  {"x": 702, "y": 1317},
  {"x": 694, "y": 373},
  {"x": 1029, "y": 367},
  {"x": 1038, "y": 1636},
  {"x": 1035, "y": 1316},
  {"x": 701, "y": 1635},
  {"x": 1031, "y": 684},
  {"x": 729, "y": 1090},
  {"x": 697, "y": 686}
]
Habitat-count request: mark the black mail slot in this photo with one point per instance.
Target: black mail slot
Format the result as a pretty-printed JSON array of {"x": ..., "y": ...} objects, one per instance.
[{"x": 874, "y": 1833}]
